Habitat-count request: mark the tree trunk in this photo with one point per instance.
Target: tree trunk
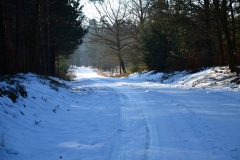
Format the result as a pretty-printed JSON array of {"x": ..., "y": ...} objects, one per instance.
[
  {"x": 233, "y": 36},
  {"x": 233, "y": 27},
  {"x": 53, "y": 59},
  {"x": 34, "y": 67},
  {"x": 231, "y": 60},
  {"x": 58, "y": 62},
  {"x": 49, "y": 69},
  {"x": 42, "y": 46},
  {"x": 121, "y": 63},
  {"x": 3, "y": 53},
  {"x": 220, "y": 45},
  {"x": 19, "y": 39},
  {"x": 224, "y": 21},
  {"x": 207, "y": 33}
]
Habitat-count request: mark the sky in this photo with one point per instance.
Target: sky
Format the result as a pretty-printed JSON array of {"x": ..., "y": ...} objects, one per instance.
[{"x": 89, "y": 9}]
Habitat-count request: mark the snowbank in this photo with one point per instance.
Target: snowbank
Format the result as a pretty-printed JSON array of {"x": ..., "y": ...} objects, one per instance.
[
  {"x": 218, "y": 77},
  {"x": 58, "y": 119}
]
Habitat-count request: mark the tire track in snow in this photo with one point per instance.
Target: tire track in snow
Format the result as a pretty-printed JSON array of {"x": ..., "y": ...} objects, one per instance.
[
  {"x": 132, "y": 137},
  {"x": 201, "y": 135},
  {"x": 134, "y": 131},
  {"x": 179, "y": 128},
  {"x": 165, "y": 123}
]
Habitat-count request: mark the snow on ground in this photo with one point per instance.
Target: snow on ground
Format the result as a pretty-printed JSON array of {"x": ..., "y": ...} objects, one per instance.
[
  {"x": 144, "y": 116},
  {"x": 76, "y": 124},
  {"x": 218, "y": 77}
]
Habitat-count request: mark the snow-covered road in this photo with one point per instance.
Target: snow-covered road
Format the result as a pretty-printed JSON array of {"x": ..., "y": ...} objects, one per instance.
[
  {"x": 159, "y": 122},
  {"x": 175, "y": 123},
  {"x": 121, "y": 119}
]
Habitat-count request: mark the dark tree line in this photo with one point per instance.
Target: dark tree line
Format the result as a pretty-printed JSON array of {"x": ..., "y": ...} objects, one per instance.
[
  {"x": 36, "y": 34},
  {"x": 190, "y": 34}
]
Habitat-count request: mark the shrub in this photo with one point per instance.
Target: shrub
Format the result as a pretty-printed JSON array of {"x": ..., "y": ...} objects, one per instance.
[{"x": 12, "y": 89}]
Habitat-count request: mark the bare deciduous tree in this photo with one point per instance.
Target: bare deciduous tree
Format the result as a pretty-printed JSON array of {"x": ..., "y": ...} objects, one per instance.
[{"x": 115, "y": 28}]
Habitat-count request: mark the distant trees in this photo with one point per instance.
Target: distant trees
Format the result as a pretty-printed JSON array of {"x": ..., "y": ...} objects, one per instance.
[
  {"x": 172, "y": 34},
  {"x": 37, "y": 34}
]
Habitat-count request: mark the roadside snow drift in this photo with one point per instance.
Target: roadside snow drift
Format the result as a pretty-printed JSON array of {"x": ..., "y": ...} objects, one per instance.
[{"x": 53, "y": 122}]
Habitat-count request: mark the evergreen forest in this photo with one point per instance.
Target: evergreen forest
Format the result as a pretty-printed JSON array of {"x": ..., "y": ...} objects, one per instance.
[
  {"x": 192, "y": 34},
  {"x": 38, "y": 35}
]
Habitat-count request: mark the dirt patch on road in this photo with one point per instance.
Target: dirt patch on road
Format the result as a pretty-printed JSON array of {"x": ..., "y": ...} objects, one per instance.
[{"x": 101, "y": 73}]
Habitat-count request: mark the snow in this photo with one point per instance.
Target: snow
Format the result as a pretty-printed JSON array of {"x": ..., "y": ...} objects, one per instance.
[
  {"x": 213, "y": 78},
  {"x": 143, "y": 116}
]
